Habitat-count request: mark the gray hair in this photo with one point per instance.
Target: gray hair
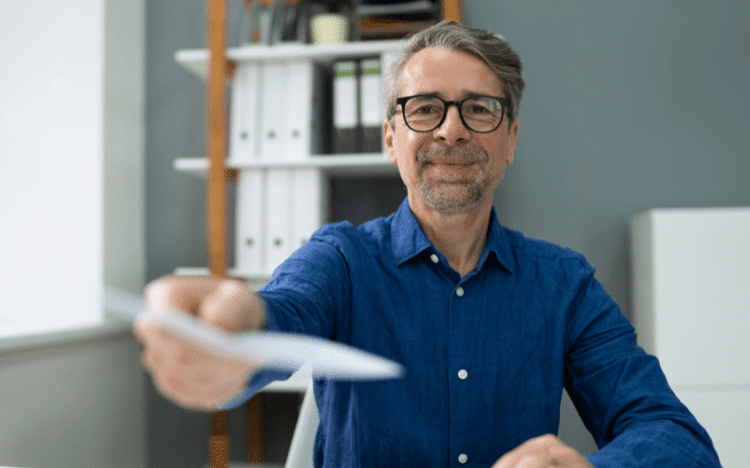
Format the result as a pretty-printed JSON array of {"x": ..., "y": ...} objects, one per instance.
[{"x": 448, "y": 34}]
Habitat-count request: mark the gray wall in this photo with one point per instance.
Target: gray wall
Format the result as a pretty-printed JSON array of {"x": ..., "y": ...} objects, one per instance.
[
  {"x": 629, "y": 105},
  {"x": 73, "y": 404}
]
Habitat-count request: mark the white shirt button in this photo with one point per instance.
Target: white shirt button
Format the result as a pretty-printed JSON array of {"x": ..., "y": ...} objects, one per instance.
[
  {"x": 434, "y": 258},
  {"x": 462, "y": 374},
  {"x": 463, "y": 458},
  {"x": 459, "y": 291}
]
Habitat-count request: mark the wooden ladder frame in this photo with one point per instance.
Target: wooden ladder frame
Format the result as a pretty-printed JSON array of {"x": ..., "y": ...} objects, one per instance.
[{"x": 219, "y": 70}]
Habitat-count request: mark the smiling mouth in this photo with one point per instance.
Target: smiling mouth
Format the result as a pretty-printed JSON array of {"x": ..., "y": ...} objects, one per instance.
[
  {"x": 457, "y": 164},
  {"x": 453, "y": 161}
]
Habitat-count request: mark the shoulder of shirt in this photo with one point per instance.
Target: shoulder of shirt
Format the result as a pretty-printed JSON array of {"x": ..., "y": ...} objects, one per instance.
[
  {"x": 529, "y": 248},
  {"x": 344, "y": 232}
]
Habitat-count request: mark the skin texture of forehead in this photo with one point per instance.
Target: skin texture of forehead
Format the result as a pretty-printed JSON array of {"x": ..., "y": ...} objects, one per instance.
[{"x": 463, "y": 68}]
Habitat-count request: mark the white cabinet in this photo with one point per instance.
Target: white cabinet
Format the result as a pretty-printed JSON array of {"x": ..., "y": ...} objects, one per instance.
[
  {"x": 280, "y": 117},
  {"x": 690, "y": 279}
]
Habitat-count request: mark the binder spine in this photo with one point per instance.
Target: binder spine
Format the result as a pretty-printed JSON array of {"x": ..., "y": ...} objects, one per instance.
[
  {"x": 345, "y": 114},
  {"x": 371, "y": 108}
]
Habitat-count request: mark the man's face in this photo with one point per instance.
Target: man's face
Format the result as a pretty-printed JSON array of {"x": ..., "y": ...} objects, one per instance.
[{"x": 450, "y": 168}]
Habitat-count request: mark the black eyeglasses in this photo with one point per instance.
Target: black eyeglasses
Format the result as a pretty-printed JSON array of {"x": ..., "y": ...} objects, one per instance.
[{"x": 479, "y": 113}]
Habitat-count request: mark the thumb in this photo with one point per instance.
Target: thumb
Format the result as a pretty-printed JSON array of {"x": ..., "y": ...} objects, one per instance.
[{"x": 232, "y": 306}]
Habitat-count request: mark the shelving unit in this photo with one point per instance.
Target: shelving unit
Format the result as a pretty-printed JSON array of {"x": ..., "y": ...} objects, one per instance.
[{"x": 281, "y": 181}]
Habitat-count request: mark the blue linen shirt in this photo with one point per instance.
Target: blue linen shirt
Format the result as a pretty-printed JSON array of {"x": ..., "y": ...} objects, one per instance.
[{"x": 487, "y": 355}]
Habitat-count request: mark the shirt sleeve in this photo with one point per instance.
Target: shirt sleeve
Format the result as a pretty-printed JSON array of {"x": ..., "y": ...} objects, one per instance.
[{"x": 621, "y": 393}]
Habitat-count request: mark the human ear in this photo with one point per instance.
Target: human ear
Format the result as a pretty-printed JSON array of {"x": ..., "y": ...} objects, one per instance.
[
  {"x": 512, "y": 138},
  {"x": 388, "y": 141}
]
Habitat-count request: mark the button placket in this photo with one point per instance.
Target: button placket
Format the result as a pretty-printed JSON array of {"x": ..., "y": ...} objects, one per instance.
[{"x": 459, "y": 388}]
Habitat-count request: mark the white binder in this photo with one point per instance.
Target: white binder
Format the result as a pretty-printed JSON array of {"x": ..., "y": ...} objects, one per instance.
[
  {"x": 371, "y": 109},
  {"x": 309, "y": 202},
  {"x": 274, "y": 112},
  {"x": 243, "y": 145},
  {"x": 371, "y": 105},
  {"x": 345, "y": 118},
  {"x": 286, "y": 109},
  {"x": 251, "y": 221},
  {"x": 298, "y": 110},
  {"x": 278, "y": 215}
]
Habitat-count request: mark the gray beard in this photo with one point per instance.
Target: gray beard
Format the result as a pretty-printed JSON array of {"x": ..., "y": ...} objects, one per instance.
[{"x": 455, "y": 193}]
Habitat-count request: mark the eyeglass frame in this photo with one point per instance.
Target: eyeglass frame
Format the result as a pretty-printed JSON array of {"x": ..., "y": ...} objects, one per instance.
[{"x": 504, "y": 102}]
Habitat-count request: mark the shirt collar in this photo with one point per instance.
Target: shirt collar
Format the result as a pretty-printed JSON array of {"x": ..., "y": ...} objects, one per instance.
[
  {"x": 498, "y": 243},
  {"x": 409, "y": 240}
]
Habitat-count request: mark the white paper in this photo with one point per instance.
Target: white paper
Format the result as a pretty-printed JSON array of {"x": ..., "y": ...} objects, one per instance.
[{"x": 283, "y": 351}]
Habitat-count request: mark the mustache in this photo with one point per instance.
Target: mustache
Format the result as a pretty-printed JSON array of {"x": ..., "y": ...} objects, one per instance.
[{"x": 462, "y": 152}]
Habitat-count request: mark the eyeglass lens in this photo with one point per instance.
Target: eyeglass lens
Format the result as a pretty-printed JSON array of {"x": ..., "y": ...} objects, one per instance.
[{"x": 480, "y": 114}]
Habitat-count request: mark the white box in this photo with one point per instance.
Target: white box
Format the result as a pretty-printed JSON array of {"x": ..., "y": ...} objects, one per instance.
[{"x": 691, "y": 292}]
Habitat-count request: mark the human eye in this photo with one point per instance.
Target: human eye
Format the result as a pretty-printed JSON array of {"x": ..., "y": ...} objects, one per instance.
[
  {"x": 476, "y": 109},
  {"x": 424, "y": 107},
  {"x": 481, "y": 105}
]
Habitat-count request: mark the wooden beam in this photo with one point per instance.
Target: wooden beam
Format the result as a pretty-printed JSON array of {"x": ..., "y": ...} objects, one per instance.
[
  {"x": 255, "y": 430},
  {"x": 216, "y": 138},
  {"x": 216, "y": 145},
  {"x": 452, "y": 10},
  {"x": 218, "y": 446}
]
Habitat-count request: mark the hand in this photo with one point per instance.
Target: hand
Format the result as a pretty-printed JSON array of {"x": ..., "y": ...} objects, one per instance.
[
  {"x": 542, "y": 452},
  {"x": 189, "y": 375}
]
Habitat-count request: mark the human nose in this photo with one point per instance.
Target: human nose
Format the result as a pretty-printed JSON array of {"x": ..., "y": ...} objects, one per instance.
[{"x": 452, "y": 131}]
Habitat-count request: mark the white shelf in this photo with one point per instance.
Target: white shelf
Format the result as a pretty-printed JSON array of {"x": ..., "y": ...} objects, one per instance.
[
  {"x": 195, "y": 60},
  {"x": 255, "y": 280},
  {"x": 364, "y": 164}
]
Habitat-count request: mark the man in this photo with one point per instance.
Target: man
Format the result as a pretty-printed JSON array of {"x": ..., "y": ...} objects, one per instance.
[{"x": 489, "y": 325}]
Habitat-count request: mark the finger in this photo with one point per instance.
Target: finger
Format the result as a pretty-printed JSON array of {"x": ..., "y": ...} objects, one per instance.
[
  {"x": 526, "y": 454},
  {"x": 150, "y": 361},
  {"x": 536, "y": 460},
  {"x": 183, "y": 371},
  {"x": 231, "y": 305},
  {"x": 182, "y": 384},
  {"x": 170, "y": 349},
  {"x": 151, "y": 334},
  {"x": 196, "y": 387},
  {"x": 180, "y": 292},
  {"x": 542, "y": 451},
  {"x": 565, "y": 456}
]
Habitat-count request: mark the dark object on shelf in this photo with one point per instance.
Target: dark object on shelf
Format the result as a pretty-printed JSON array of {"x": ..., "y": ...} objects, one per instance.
[
  {"x": 269, "y": 22},
  {"x": 380, "y": 19},
  {"x": 273, "y": 21}
]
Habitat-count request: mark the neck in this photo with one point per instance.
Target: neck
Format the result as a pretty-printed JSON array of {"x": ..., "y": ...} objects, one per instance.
[{"x": 459, "y": 235}]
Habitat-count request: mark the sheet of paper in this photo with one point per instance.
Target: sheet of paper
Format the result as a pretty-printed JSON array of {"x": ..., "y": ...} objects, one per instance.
[{"x": 283, "y": 351}]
